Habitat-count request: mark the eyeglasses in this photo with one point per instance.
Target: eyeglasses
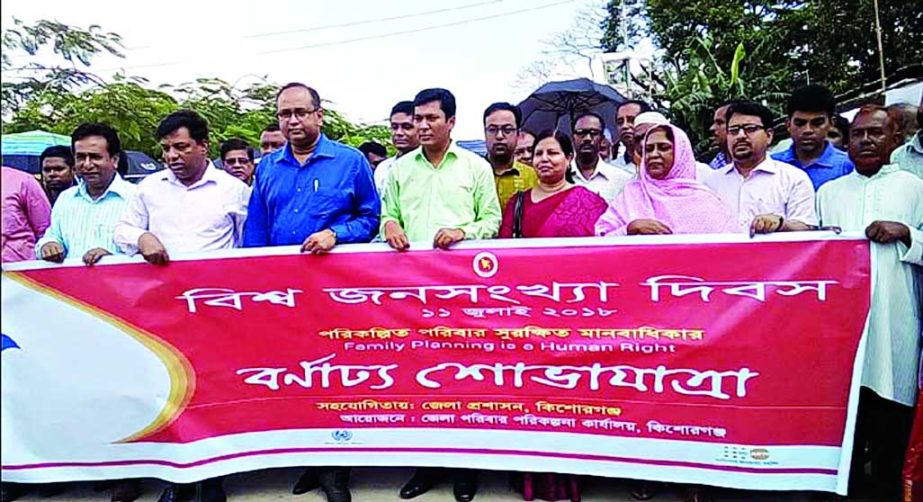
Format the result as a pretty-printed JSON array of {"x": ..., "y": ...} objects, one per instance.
[
  {"x": 237, "y": 162},
  {"x": 506, "y": 130},
  {"x": 297, "y": 112},
  {"x": 592, "y": 133},
  {"x": 748, "y": 129}
]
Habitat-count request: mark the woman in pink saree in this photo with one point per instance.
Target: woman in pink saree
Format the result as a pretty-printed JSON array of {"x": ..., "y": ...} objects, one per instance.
[
  {"x": 555, "y": 207},
  {"x": 666, "y": 198}
]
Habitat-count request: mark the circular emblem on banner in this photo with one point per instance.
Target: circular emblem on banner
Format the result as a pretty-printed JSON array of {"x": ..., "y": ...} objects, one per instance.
[
  {"x": 486, "y": 264},
  {"x": 341, "y": 435}
]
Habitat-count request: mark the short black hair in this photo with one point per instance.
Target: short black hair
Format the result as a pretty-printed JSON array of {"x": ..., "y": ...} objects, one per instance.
[
  {"x": 273, "y": 127},
  {"x": 503, "y": 106},
  {"x": 445, "y": 98},
  {"x": 58, "y": 152},
  {"x": 573, "y": 125},
  {"x": 195, "y": 123},
  {"x": 567, "y": 146},
  {"x": 751, "y": 108},
  {"x": 405, "y": 107},
  {"x": 812, "y": 98},
  {"x": 235, "y": 144},
  {"x": 373, "y": 147},
  {"x": 842, "y": 125},
  {"x": 315, "y": 97},
  {"x": 113, "y": 144},
  {"x": 641, "y": 104}
]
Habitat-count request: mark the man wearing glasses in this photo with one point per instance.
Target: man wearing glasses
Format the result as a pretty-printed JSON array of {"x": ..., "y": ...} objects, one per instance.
[
  {"x": 501, "y": 132},
  {"x": 766, "y": 195},
  {"x": 237, "y": 159},
  {"x": 588, "y": 169},
  {"x": 315, "y": 192}
]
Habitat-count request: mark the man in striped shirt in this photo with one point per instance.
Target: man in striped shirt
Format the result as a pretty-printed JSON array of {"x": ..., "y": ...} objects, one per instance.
[{"x": 83, "y": 218}]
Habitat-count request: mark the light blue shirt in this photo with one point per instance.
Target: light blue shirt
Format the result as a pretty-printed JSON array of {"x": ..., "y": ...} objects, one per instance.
[{"x": 80, "y": 223}]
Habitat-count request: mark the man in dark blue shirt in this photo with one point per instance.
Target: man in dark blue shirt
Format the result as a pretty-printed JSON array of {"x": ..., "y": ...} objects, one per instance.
[
  {"x": 810, "y": 115},
  {"x": 314, "y": 191}
]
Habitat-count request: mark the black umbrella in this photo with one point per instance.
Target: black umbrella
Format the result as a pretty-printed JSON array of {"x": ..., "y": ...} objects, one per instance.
[
  {"x": 556, "y": 104},
  {"x": 134, "y": 165}
]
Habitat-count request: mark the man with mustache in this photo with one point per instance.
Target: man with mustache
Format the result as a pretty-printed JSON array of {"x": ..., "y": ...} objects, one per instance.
[
  {"x": 403, "y": 137},
  {"x": 625, "y": 115},
  {"x": 887, "y": 204},
  {"x": 237, "y": 159},
  {"x": 190, "y": 206},
  {"x": 811, "y": 111},
  {"x": 588, "y": 169},
  {"x": 57, "y": 164},
  {"x": 83, "y": 220},
  {"x": 766, "y": 195},
  {"x": 501, "y": 132}
]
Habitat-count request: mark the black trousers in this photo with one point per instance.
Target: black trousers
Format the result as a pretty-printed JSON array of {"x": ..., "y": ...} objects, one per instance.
[{"x": 882, "y": 434}]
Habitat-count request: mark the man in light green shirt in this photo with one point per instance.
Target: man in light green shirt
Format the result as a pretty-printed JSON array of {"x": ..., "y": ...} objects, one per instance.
[{"x": 439, "y": 192}]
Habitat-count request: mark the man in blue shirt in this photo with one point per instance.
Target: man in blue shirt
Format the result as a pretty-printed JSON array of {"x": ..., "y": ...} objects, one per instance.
[
  {"x": 317, "y": 193},
  {"x": 314, "y": 191},
  {"x": 810, "y": 115}
]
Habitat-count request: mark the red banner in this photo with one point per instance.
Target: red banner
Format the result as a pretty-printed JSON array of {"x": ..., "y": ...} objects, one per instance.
[{"x": 698, "y": 360}]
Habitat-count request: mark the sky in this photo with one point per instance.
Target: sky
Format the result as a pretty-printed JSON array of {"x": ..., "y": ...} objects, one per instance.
[{"x": 474, "y": 48}]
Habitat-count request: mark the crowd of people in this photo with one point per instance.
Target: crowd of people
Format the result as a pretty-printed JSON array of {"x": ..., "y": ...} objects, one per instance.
[{"x": 312, "y": 191}]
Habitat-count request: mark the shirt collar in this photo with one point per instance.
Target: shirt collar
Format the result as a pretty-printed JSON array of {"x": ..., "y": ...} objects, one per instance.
[
  {"x": 211, "y": 176},
  {"x": 915, "y": 144},
  {"x": 602, "y": 169},
  {"x": 884, "y": 171},
  {"x": 826, "y": 159},
  {"x": 419, "y": 155},
  {"x": 117, "y": 186},
  {"x": 514, "y": 170},
  {"x": 324, "y": 148},
  {"x": 767, "y": 165}
]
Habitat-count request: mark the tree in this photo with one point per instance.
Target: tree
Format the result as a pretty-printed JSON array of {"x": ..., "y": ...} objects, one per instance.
[
  {"x": 58, "y": 98},
  {"x": 821, "y": 41}
]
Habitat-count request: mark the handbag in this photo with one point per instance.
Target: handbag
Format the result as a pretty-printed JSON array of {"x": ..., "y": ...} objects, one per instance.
[{"x": 517, "y": 214}]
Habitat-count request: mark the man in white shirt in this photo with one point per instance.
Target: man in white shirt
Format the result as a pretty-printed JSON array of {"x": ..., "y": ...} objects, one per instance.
[
  {"x": 588, "y": 169},
  {"x": 766, "y": 195},
  {"x": 187, "y": 207},
  {"x": 887, "y": 204},
  {"x": 625, "y": 115},
  {"x": 403, "y": 137}
]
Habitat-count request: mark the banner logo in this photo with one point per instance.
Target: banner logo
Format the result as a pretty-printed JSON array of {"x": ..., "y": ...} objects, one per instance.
[{"x": 486, "y": 265}]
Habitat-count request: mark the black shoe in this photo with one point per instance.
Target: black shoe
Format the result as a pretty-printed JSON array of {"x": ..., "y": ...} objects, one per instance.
[
  {"x": 335, "y": 482},
  {"x": 422, "y": 481},
  {"x": 12, "y": 491},
  {"x": 307, "y": 482},
  {"x": 466, "y": 485},
  {"x": 50, "y": 489},
  {"x": 213, "y": 490},
  {"x": 125, "y": 490},
  {"x": 178, "y": 493}
]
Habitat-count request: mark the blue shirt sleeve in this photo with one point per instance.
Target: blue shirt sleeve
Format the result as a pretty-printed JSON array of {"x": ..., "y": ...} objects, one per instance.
[
  {"x": 363, "y": 224},
  {"x": 257, "y": 228}
]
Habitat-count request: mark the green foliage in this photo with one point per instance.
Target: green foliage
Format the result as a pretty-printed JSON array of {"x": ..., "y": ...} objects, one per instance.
[
  {"x": 777, "y": 45},
  {"x": 130, "y": 106}
]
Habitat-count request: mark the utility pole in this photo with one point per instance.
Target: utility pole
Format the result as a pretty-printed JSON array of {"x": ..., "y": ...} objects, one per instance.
[{"x": 881, "y": 51}]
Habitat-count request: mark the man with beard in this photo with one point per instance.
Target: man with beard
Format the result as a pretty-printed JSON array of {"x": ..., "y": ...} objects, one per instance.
[
  {"x": 887, "y": 204},
  {"x": 625, "y": 116},
  {"x": 524, "y": 144},
  {"x": 811, "y": 110},
  {"x": 588, "y": 169},
  {"x": 403, "y": 137},
  {"x": 57, "y": 170},
  {"x": 766, "y": 195},
  {"x": 501, "y": 132}
]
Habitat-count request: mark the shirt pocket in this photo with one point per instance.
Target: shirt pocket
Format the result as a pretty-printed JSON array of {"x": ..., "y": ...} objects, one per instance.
[{"x": 329, "y": 201}]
